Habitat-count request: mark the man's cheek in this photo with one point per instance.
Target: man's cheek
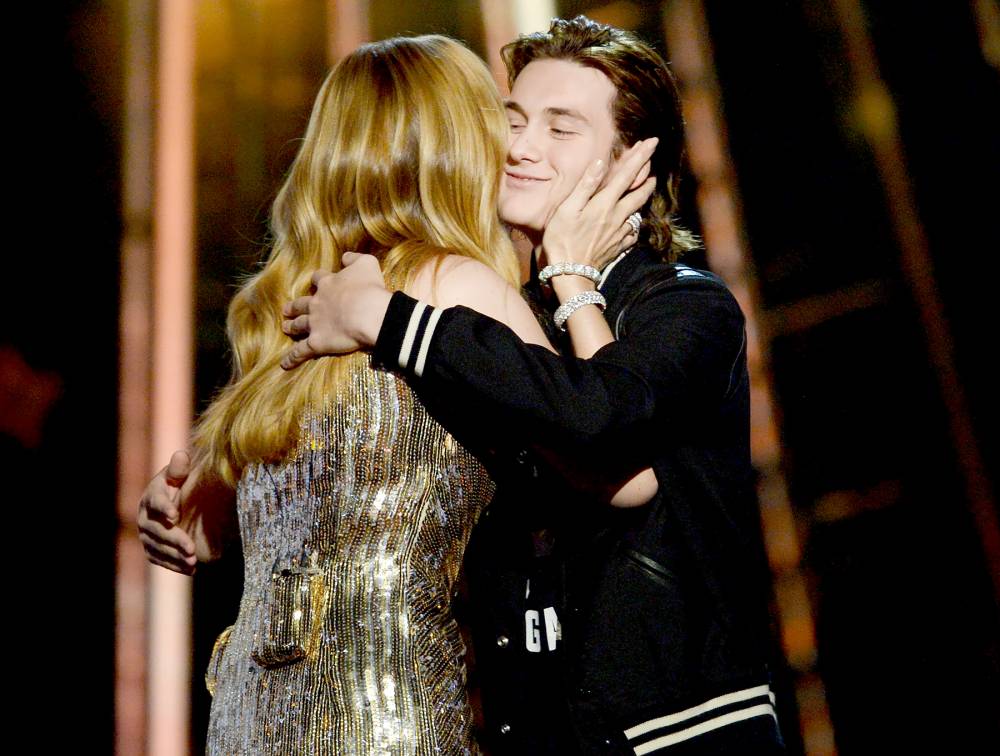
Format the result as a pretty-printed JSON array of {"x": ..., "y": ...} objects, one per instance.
[{"x": 560, "y": 189}]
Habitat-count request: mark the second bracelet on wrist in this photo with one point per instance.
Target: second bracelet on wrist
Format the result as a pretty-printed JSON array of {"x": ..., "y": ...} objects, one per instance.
[{"x": 574, "y": 303}]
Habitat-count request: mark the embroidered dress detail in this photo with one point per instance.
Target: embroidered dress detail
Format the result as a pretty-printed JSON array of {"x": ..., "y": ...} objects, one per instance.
[{"x": 344, "y": 642}]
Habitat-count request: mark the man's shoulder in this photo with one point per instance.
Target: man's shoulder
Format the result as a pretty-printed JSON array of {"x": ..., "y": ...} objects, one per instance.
[
  {"x": 645, "y": 270},
  {"x": 675, "y": 275},
  {"x": 661, "y": 290}
]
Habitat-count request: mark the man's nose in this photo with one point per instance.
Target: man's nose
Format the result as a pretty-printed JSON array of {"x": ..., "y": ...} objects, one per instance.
[{"x": 523, "y": 146}]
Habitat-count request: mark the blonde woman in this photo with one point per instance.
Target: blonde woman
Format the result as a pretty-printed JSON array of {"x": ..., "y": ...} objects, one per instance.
[{"x": 353, "y": 504}]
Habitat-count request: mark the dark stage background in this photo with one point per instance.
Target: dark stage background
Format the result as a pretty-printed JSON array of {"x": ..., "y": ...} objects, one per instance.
[{"x": 906, "y": 616}]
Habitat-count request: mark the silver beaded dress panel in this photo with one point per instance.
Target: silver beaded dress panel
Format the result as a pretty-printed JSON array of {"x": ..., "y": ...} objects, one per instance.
[{"x": 344, "y": 643}]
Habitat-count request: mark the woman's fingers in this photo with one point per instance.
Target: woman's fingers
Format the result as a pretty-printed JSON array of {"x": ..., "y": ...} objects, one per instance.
[
  {"x": 634, "y": 200},
  {"x": 589, "y": 224},
  {"x": 628, "y": 168},
  {"x": 584, "y": 189},
  {"x": 629, "y": 237},
  {"x": 641, "y": 176},
  {"x": 625, "y": 239},
  {"x": 630, "y": 203},
  {"x": 628, "y": 172}
]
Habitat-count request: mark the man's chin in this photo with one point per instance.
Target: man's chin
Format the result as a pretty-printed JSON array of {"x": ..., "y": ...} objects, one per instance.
[{"x": 528, "y": 225}]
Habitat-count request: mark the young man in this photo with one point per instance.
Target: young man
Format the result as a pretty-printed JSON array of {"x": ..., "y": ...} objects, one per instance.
[
  {"x": 658, "y": 612},
  {"x": 662, "y": 607}
]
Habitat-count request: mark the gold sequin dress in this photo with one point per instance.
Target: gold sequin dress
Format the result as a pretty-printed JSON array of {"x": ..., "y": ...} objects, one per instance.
[{"x": 344, "y": 642}]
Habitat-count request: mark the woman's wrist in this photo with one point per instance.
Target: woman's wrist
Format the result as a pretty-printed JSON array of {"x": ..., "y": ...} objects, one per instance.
[
  {"x": 555, "y": 253},
  {"x": 568, "y": 286},
  {"x": 546, "y": 274},
  {"x": 576, "y": 303}
]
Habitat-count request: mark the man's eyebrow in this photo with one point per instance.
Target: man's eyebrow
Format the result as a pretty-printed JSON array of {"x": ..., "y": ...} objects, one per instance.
[
  {"x": 550, "y": 112},
  {"x": 576, "y": 115},
  {"x": 511, "y": 105}
]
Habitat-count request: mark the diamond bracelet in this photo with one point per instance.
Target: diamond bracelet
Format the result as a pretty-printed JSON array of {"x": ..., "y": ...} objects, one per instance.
[
  {"x": 574, "y": 303},
  {"x": 568, "y": 268}
]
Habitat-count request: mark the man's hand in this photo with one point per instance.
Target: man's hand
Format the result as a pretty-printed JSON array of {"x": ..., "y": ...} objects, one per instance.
[
  {"x": 344, "y": 313},
  {"x": 165, "y": 542},
  {"x": 590, "y": 225}
]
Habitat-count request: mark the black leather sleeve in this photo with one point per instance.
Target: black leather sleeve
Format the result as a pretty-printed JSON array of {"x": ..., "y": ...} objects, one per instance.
[{"x": 682, "y": 343}]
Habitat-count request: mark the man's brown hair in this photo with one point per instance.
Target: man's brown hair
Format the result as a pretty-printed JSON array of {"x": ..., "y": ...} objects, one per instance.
[{"x": 646, "y": 104}]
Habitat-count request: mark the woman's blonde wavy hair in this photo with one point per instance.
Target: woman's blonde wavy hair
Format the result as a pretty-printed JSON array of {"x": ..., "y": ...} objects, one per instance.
[{"x": 402, "y": 160}]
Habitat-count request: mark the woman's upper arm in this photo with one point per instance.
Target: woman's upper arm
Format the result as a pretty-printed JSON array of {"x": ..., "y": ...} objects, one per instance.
[{"x": 466, "y": 282}]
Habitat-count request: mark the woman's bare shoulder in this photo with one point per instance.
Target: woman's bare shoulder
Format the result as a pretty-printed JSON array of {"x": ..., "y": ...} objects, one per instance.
[{"x": 454, "y": 280}]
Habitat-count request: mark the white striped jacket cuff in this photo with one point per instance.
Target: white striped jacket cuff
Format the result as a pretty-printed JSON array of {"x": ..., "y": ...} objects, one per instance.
[
  {"x": 417, "y": 339},
  {"x": 658, "y": 734}
]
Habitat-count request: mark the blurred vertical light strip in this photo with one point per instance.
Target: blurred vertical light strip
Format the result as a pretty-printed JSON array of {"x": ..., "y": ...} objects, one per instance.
[
  {"x": 169, "y": 639},
  {"x": 347, "y": 27},
  {"x": 876, "y": 117},
  {"x": 532, "y": 15},
  {"x": 134, "y": 376},
  {"x": 687, "y": 35},
  {"x": 988, "y": 26},
  {"x": 503, "y": 20}
]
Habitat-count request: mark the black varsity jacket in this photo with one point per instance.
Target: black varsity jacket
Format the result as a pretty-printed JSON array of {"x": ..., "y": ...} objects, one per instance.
[{"x": 665, "y": 624}]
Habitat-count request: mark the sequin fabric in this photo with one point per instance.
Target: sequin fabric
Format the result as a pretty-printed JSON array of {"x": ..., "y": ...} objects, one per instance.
[{"x": 344, "y": 642}]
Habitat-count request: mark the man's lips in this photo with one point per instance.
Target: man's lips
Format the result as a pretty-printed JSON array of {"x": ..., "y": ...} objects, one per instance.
[{"x": 515, "y": 178}]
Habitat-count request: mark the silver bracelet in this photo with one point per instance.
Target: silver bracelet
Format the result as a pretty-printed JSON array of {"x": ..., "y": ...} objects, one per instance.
[
  {"x": 574, "y": 303},
  {"x": 568, "y": 269}
]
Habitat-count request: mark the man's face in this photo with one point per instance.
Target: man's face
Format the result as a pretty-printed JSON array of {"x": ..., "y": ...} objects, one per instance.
[{"x": 560, "y": 123}]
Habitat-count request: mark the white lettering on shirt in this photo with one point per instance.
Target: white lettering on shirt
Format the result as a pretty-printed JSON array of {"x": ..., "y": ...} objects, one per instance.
[{"x": 532, "y": 634}]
